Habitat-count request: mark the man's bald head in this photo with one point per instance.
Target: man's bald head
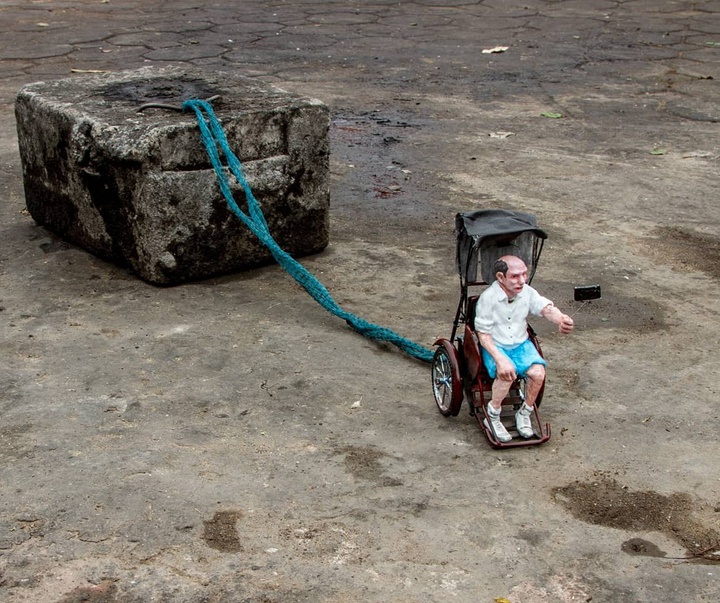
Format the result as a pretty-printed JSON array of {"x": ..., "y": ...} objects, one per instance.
[{"x": 508, "y": 261}]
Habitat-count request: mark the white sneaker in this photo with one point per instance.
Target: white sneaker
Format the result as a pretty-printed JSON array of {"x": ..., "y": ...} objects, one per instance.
[
  {"x": 497, "y": 426},
  {"x": 523, "y": 422}
]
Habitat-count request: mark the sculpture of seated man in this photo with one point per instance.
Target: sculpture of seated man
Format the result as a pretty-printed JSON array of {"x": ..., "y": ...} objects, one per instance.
[{"x": 501, "y": 327}]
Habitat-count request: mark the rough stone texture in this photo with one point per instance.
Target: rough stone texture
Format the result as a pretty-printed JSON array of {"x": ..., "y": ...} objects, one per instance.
[{"x": 137, "y": 187}]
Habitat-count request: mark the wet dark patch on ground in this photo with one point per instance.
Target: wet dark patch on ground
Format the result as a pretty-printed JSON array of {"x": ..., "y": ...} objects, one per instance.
[
  {"x": 221, "y": 532},
  {"x": 364, "y": 463},
  {"x": 385, "y": 182},
  {"x": 642, "y": 547},
  {"x": 684, "y": 250},
  {"x": 105, "y": 592},
  {"x": 604, "y": 501}
]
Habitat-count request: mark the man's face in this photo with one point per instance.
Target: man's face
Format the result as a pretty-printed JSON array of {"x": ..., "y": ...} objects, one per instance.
[{"x": 512, "y": 282}]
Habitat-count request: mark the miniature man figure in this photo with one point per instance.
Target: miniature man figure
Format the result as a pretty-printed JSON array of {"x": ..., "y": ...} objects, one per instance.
[{"x": 500, "y": 323}]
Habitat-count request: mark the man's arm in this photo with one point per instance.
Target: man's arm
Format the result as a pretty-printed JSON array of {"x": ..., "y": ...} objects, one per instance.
[
  {"x": 555, "y": 316},
  {"x": 505, "y": 368}
]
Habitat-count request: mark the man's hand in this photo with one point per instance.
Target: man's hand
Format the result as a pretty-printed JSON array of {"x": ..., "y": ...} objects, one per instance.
[
  {"x": 566, "y": 324},
  {"x": 505, "y": 369},
  {"x": 563, "y": 321}
]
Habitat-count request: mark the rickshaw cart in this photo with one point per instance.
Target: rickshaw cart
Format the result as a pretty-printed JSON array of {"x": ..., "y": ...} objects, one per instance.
[{"x": 458, "y": 370}]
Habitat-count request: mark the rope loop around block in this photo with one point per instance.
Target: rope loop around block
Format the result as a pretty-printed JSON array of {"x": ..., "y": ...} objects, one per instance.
[{"x": 215, "y": 142}]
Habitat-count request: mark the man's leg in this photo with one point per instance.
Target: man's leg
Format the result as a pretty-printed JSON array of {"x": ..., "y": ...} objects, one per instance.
[
  {"x": 500, "y": 389},
  {"x": 535, "y": 378}
]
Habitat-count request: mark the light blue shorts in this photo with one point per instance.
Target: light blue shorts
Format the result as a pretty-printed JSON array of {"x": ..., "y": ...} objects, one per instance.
[{"x": 522, "y": 356}]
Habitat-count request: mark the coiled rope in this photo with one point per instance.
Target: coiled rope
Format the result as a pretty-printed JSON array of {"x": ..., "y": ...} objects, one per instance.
[{"x": 213, "y": 136}]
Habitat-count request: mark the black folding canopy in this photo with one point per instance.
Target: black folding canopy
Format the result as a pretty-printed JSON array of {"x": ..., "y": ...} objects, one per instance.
[{"x": 485, "y": 235}]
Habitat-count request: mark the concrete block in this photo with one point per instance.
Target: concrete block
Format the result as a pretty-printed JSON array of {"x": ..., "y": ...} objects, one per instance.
[{"x": 138, "y": 189}]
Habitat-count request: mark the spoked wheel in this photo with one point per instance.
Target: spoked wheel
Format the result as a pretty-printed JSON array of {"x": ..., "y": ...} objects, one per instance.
[{"x": 446, "y": 381}]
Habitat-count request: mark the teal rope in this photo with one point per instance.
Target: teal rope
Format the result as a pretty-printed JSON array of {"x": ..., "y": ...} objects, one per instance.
[{"x": 212, "y": 135}]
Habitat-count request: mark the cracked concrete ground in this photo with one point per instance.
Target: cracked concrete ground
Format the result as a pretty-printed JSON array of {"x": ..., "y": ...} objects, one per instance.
[{"x": 228, "y": 440}]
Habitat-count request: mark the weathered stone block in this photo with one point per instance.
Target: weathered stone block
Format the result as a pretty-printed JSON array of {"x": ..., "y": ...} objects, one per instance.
[{"x": 137, "y": 187}]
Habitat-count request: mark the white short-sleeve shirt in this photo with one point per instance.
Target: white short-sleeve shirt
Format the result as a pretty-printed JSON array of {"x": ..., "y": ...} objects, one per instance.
[{"x": 505, "y": 320}]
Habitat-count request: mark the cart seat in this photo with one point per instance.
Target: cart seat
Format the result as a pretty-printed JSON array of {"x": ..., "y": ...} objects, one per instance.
[{"x": 471, "y": 345}]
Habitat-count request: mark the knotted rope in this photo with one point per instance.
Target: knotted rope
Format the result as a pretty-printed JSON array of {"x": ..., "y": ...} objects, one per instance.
[{"x": 213, "y": 136}]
